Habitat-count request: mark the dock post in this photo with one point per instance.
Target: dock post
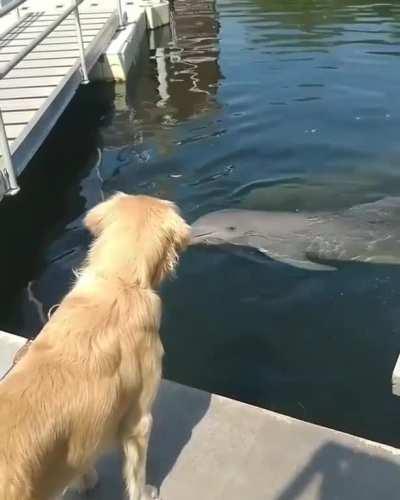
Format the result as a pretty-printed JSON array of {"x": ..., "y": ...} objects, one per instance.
[
  {"x": 81, "y": 43},
  {"x": 7, "y": 167},
  {"x": 122, "y": 20}
]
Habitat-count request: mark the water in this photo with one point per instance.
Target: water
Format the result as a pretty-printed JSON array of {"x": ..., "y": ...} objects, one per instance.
[{"x": 261, "y": 104}]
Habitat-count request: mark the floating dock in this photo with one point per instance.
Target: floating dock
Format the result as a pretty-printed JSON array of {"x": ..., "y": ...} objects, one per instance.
[
  {"x": 207, "y": 447},
  {"x": 47, "y": 50}
]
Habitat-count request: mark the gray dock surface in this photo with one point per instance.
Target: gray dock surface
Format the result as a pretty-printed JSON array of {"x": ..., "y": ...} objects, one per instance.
[{"x": 207, "y": 447}]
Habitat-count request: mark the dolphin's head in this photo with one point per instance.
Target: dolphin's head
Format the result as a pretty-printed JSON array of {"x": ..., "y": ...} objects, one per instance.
[{"x": 217, "y": 228}]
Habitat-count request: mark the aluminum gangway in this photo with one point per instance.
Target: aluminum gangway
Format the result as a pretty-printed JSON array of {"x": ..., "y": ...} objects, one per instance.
[{"x": 46, "y": 53}]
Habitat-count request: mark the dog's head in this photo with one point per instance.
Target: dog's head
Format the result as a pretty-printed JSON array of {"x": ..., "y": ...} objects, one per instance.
[{"x": 144, "y": 234}]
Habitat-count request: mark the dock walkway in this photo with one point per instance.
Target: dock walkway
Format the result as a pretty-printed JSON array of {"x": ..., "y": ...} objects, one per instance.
[{"x": 35, "y": 90}]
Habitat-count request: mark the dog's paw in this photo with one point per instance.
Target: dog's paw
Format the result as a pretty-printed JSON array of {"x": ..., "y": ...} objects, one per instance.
[
  {"x": 151, "y": 493},
  {"x": 86, "y": 482}
]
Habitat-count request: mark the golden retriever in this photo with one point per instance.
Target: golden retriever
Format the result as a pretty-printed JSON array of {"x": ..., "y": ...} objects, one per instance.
[{"x": 89, "y": 379}]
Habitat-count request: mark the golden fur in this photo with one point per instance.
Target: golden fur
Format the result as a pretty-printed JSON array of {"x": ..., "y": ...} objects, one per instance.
[{"x": 89, "y": 379}]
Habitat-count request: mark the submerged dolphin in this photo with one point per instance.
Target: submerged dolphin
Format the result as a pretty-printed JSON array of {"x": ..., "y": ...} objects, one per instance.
[{"x": 366, "y": 233}]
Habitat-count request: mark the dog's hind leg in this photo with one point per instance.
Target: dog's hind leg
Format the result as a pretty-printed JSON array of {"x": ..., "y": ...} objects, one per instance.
[{"x": 134, "y": 444}]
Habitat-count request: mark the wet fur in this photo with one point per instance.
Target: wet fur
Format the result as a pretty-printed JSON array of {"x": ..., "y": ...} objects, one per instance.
[{"x": 89, "y": 379}]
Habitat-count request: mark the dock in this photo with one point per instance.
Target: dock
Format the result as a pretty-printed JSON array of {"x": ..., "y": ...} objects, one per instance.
[
  {"x": 205, "y": 446},
  {"x": 47, "y": 50}
]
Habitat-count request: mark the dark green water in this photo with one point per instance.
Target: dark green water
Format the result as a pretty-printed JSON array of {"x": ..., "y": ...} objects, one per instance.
[{"x": 274, "y": 105}]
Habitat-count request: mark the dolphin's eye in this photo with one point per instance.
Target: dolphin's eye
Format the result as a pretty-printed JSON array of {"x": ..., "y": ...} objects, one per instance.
[{"x": 231, "y": 228}]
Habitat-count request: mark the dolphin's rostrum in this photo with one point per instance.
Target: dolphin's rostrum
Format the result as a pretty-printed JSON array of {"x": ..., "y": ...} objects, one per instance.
[{"x": 367, "y": 233}]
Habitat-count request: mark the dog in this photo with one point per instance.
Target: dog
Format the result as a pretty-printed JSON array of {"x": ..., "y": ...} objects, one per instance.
[{"x": 89, "y": 379}]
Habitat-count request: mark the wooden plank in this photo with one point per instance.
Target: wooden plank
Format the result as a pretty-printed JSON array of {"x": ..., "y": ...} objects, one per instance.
[
  {"x": 70, "y": 21},
  {"x": 53, "y": 36},
  {"x": 54, "y": 15},
  {"x": 21, "y": 83},
  {"x": 44, "y": 63},
  {"x": 49, "y": 56},
  {"x": 31, "y": 35},
  {"x": 70, "y": 28},
  {"x": 67, "y": 24},
  {"x": 70, "y": 24},
  {"x": 84, "y": 13},
  {"x": 37, "y": 56},
  {"x": 41, "y": 48},
  {"x": 24, "y": 93},
  {"x": 45, "y": 20},
  {"x": 50, "y": 70},
  {"x": 21, "y": 43},
  {"x": 12, "y": 46},
  {"x": 12, "y": 43},
  {"x": 22, "y": 104},
  {"x": 101, "y": 14},
  {"x": 13, "y": 131},
  {"x": 18, "y": 117}
]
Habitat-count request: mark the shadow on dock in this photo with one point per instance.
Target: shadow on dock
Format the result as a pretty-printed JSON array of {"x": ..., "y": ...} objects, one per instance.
[
  {"x": 339, "y": 472},
  {"x": 177, "y": 412}
]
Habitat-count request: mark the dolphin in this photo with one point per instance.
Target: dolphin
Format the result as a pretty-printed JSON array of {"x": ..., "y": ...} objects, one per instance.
[{"x": 369, "y": 232}]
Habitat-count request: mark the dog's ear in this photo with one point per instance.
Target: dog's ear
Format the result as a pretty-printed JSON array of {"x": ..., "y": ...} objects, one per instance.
[
  {"x": 96, "y": 219},
  {"x": 177, "y": 236}
]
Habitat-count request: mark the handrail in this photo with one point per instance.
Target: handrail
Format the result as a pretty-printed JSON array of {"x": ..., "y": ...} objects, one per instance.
[
  {"x": 10, "y": 6},
  {"x": 7, "y": 171},
  {"x": 122, "y": 17},
  {"x": 18, "y": 57},
  {"x": 28, "y": 16}
]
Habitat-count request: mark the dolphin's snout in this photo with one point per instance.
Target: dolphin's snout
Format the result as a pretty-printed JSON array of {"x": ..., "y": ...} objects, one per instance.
[{"x": 198, "y": 235}]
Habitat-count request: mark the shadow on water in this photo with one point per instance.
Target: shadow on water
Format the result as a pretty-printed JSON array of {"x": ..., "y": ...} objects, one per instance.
[
  {"x": 339, "y": 472},
  {"x": 46, "y": 203}
]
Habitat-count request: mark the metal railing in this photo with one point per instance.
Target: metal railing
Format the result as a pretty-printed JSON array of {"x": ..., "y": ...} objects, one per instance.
[
  {"x": 14, "y": 4},
  {"x": 39, "y": 39},
  {"x": 7, "y": 170},
  {"x": 122, "y": 19}
]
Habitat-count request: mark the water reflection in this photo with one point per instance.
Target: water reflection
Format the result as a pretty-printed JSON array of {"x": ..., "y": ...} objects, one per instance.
[
  {"x": 179, "y": 80},
  {"x": 182, "y": 82}
]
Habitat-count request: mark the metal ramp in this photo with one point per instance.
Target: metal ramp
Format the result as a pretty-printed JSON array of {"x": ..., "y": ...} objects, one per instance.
[{"x": 44, "y": 56}]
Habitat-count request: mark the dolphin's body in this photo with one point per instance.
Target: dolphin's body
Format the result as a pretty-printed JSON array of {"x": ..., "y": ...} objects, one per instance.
[{"x": 365, "y": 233}]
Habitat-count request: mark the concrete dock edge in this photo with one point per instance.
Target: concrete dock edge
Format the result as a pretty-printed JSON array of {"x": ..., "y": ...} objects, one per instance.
[{"x": 206, "y": 446}]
